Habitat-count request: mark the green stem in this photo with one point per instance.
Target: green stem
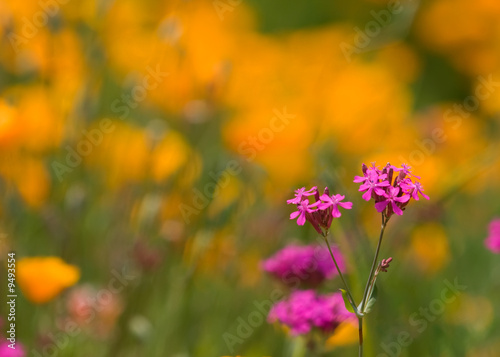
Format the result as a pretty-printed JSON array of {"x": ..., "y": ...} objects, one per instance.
[
  {"x": 360, "y": 324},
  {"x": 353, "y": 303},
  {"x": 374, "y": 264}
]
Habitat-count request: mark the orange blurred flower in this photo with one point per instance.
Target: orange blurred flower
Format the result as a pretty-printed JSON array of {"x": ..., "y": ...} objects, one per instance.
[{"x": 42, "y": 278}]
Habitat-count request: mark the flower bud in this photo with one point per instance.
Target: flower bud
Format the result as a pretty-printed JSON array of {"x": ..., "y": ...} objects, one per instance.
[{"x": 364, "y": 169}]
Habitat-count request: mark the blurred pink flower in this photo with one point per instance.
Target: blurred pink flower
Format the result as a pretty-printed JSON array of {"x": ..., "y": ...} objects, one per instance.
[
  {"x": 6, "y": 351},
  {"x": 310, "y": 264},
  {"x": 493, "y": 240},
  {"x": 305, "y": 310}
]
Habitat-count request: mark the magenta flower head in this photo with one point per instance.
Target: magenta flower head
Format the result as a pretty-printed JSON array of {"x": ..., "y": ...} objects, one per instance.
[
  {"x": 6, "y": 351},
  {"x": 300, "y": 194},
  {"x": 320, "y": 213},
  {"x": 305, "y": 311},
  {"x": 493, "y": 240},
  {"x": 304, "y": 210},
  {"x": 391, "y": 188},
  {"x": 303, "y": 265}
]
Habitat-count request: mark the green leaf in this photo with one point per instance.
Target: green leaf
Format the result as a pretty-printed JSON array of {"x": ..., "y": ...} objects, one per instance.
[
  {"x": 347, "y": 303},
  {"x": 374, "y": 292},
  {"x": 371, "y": 300}
]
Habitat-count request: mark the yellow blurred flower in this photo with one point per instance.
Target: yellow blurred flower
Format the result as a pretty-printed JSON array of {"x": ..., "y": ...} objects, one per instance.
[
  {"x": 9, "y": 128},
  {"x": 32, "y": 181},
  {"x": 30, "y": 122},
  {"x": 367, "y": 103},
  {"x": 168, "y": 156},
  {"x": 466, "y": 31},
  {"x": 42, "y": 278},
  {"x": 123, "y": 154}
]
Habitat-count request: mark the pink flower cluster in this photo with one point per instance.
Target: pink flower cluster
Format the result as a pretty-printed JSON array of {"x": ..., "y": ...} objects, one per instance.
[
  {"x": 493, "y": 240},
  {"x": 309, "y": 265},
  {"x": 306, "y": 310},
  {"x": 319, "y": 213},
  {"x": 391, "y": 196}
]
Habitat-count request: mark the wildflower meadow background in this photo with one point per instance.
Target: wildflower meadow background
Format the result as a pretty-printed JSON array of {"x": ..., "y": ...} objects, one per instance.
[{"x": 148, "y": 150}]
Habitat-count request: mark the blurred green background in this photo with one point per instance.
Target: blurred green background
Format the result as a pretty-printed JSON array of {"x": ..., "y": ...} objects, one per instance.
[{"x": 151, "y": 145}]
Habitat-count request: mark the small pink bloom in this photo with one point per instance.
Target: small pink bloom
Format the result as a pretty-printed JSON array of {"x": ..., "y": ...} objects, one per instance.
[
  {"x": 413, "y": 188},
  {"x": 300, "y": 193},
  {"x": 334, "y": 201},
  {"x": 392, "y": 197},
  {"x": 372, "y": 184},
  {"x": 405, "y": 170},
  {"x": 302, "y": 210}
]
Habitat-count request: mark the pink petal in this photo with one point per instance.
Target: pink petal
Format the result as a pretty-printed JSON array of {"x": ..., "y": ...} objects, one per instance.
[
  {"x": 294, "y": 215},
  {"x": 379, "y": 191},
  {"x": 380, "y": 206},
  {"x": 346, "y": 205},
  {"x": 325, "y": 197},
  {"x": 403, "y": 199},
  {"x": 325, "y": 205},
  {"x": 302, "y": 219},
  {"x": 367, "y": 195},
  {"x": 396, "y": 209},
  {"x": 335, "y": 212}
]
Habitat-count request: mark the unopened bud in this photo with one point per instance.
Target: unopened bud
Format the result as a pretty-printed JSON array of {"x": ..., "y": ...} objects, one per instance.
[
  {"x": 384, "y": 264},
  {"x": 364, "y": 168}
]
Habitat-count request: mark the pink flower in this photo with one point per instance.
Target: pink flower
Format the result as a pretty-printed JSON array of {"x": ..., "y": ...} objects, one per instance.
[
  {"x": 372, "y": 184},
  {"x": 392, "y": 198},
  {"x": 493, "y": 240},
  {"x": 413, "y": 188},
  {"x": 300, "y": 193},
  {"x": 334, "y": 201},
  {"x": 306, "y": 265},
  {"x": 380, "y": 185},
  {"x": 404, "y": 171},
  {"x": 303, "y": 209}
]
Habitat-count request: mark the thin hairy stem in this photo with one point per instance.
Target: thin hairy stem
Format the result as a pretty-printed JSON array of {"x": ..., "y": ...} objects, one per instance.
[
  {"x": 374, "y": 265},
  {"x": 360, "y": 324}
]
